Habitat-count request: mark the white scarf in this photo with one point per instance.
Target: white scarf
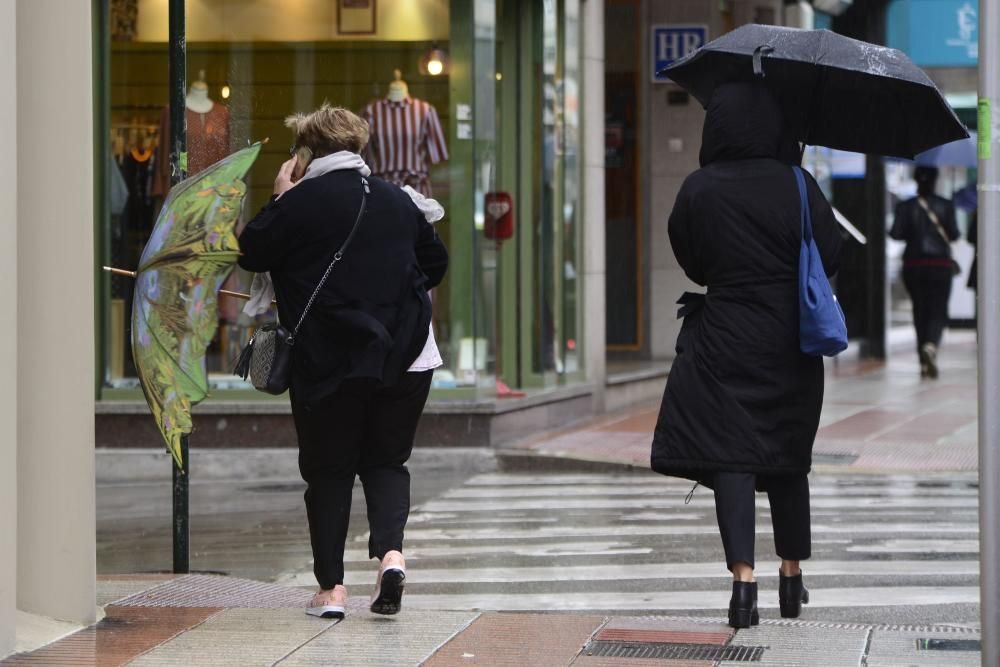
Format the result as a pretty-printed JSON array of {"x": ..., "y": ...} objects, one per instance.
[{"x": 262, "y": 289}]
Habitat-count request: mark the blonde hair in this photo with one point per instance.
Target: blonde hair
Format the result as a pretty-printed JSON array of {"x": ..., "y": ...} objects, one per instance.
[{"x": 329, "y": 130}]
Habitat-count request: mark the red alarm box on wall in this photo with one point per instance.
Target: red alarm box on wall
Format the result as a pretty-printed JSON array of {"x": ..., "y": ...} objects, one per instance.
[{"x": 498, "y": 209}]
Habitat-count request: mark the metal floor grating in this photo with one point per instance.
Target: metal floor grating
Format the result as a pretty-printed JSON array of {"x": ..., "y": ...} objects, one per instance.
[
  {"x": 831, "y": 625},
  {"x": 202, "y": 590},
  {"x": 671, "y": 651}
]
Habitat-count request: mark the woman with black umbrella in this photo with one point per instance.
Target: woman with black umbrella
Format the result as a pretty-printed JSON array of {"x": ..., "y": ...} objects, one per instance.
[{"x": 742, "y": 402}]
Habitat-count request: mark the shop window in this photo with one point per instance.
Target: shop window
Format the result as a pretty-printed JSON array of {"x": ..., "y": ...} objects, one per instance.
[{"x": 436, "y": 63}]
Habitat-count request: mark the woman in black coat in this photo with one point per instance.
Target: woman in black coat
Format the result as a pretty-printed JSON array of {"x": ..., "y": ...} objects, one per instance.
[
  {"x": 927, "y": 224},
  {"x": 742, "y": 402},
  {"x": 363, "y": 358}
]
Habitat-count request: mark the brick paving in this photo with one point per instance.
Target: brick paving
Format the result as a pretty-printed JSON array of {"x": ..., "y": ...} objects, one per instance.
[
  {"x": 124, "y": 634},
  {"x": 519, "y": 640},
  {"x": 877, "y": 416}
]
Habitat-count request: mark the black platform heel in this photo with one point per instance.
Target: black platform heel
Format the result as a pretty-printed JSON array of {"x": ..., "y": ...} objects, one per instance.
[
  {"x": 791, "y": 595},
  {"x": 743, "y": 605}
]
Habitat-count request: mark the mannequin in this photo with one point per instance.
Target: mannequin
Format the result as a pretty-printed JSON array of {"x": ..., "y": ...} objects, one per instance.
[
  {"x": 398, "y": 90},
  {"x": 406, "y": 137},
  {"x": 197, "y": 99},
  {"x": 207, "y": 134}
]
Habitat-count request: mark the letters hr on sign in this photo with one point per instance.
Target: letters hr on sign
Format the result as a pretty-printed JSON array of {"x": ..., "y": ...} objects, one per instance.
[{"x": 671, "y": 42}]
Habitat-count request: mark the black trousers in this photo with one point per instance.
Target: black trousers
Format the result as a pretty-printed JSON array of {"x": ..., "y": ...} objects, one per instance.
[
  {"x": 929, "y": 288},
  {"x": 362, "y": 431},
  {"x": 735, "y": 511}
]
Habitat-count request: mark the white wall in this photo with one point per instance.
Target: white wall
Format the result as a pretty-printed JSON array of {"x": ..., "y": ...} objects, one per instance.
[
  {"x": 594, "y": 277},
  {"x": 8, "y": 334},
  {"x": 56, "y": 559}
]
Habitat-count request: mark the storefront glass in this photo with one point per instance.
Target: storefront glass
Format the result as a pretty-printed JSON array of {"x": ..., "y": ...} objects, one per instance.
[{"x": 452, "y": 75}]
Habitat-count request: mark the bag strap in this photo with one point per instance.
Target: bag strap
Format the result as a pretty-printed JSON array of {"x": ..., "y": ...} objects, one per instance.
[
  {"x": 805, "y": 215},
  {"x": 934, "y": 219},
  {"x": 337, "y": 256}
]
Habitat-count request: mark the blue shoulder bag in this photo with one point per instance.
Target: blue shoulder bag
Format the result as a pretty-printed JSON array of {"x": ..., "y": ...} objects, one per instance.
[{"x": 822, "y": 327}]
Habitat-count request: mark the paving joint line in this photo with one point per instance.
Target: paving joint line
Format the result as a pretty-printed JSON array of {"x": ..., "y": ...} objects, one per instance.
[
  {"x": 175, "y": 636},
  {"x": 579, "y": 654},
  {"x": 450, "y": 638},
  {"x": 869, "y": 635},
  {"x": 308, "y": 641}
]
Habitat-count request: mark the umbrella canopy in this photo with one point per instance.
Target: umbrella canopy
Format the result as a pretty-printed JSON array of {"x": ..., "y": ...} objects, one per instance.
[
  {"x": 192, "y": 249},
  {"x": 961, "y": 153},
  {"x": 835, "y": 91}
]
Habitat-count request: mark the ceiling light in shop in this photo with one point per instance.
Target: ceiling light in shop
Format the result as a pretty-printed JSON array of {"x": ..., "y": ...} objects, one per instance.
[
  {"x": 226, "y": 92},
  {"x": 434, "y": 62}
]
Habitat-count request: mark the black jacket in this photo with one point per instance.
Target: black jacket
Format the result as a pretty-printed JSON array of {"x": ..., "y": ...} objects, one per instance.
[
  {"x": 371, "y": 318},
  {"x": 912, "y": 225},
  {"x": 740, "y": 396}
]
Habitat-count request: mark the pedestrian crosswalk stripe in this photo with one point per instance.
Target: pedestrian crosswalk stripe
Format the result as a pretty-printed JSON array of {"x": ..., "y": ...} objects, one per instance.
[{"x": 605, "y": 542}]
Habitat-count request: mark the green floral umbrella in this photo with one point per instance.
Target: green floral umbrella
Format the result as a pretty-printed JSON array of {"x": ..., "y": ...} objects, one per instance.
[{"x": 191, "y": 251}]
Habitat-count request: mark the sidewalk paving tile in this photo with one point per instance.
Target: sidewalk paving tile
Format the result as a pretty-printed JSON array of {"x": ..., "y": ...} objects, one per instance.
[
  {"x": 789, "y": 646},
  {"x": 929, "y": 427},
  {"x": 865, "y": 425},
  {"x": 238, "y": 637},
  {"x": 638, "y": 422},
  {"x": 111, "y": 588},
  {"x": 123, "y": 634},
  {"x": 367, "y": 639},
  {"x": 521, "y": 640}
]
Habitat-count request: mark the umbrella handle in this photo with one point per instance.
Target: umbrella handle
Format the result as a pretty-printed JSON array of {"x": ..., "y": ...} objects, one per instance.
[
  {"x": 762, "y": 50},
  {"x": 131, "y": 274}
]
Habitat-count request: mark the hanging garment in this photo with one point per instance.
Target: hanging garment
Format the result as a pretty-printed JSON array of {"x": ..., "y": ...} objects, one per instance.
[
  {"x": 207, "y": 143},
  {"x": 406, "y": 138}
]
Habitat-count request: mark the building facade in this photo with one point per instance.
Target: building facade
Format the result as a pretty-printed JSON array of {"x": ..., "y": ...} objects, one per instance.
[
  {"x": 47, "y": 529},
  {"x": 511, "y": 154},
  {"x": 478, "y": 104}
]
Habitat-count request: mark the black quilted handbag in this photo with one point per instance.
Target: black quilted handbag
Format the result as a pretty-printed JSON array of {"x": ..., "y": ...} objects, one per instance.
[{"x": 267, "y": 358}]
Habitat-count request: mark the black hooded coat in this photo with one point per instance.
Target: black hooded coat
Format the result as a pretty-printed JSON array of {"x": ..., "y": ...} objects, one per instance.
[{"x": 741, "y": 397}]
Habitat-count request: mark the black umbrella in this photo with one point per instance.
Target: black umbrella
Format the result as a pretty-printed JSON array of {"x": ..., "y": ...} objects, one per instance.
[{"x": 835, "y": 91}]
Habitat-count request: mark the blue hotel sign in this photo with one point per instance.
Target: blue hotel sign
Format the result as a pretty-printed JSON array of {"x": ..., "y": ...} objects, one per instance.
[
  {"x": 935, "y": 33},
  {"x": 672, "y": 42}
]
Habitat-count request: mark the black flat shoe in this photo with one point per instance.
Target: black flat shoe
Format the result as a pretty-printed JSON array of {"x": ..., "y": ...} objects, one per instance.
[
  {"x": 791, "y": 595},
  {"x": 743, "y": 605}
]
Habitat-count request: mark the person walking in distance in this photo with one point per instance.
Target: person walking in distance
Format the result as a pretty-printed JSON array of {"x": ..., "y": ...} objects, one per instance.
[
  {"x": 364, "y": 356},
  {"x": 742, "y": 402},
  {"x": 927, "y": 224}
]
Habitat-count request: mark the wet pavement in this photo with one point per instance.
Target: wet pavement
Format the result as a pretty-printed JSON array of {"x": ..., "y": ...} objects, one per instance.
[{"x": 565, "y": 550}]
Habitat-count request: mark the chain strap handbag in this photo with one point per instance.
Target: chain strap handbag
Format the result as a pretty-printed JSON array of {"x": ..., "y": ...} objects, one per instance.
[{"x": 267, "y": 358}]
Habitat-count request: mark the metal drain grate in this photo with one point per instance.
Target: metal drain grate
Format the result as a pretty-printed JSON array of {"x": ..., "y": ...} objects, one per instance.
[
  {"x": 199, "y": 590},
  {"x": 674, "y": 651},
  {"x": 949, "y": 645}
]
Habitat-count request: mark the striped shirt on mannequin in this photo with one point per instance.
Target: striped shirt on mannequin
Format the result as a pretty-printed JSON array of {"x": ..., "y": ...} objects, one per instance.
[{"x": 406, "y": 138}]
